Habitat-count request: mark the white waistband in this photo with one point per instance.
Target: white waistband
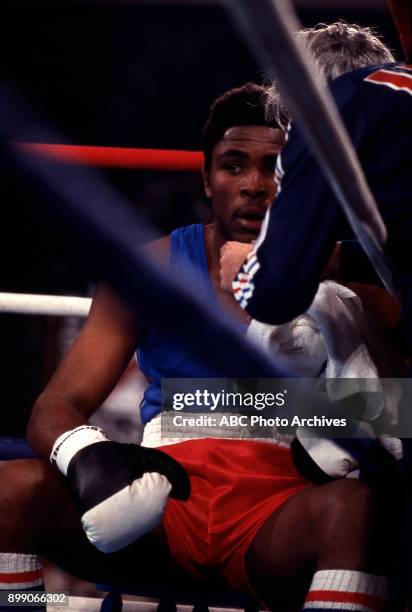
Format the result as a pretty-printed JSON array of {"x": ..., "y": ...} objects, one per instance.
[{"x": 161, "y": 432}]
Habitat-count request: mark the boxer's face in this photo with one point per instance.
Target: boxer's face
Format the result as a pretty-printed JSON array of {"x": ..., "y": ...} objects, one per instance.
[{"x": 240, "y": 180}]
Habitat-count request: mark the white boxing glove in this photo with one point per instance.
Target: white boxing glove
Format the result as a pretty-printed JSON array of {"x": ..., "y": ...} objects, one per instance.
[
  {"x": 329, "y": 457},
  {"x": 120, "y": 490}
]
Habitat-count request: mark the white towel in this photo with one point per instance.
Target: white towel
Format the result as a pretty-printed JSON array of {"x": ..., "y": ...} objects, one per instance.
[
  {"x": 336, "y": 329},
  {"x": 298, "y": 346}
]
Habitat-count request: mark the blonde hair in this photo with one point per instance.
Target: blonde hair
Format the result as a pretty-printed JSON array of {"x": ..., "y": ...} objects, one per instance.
[{"x": 336, "y": 48}]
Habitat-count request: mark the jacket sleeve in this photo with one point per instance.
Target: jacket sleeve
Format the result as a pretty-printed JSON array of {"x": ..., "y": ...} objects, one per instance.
[
  {"x": 279, "y": 280},
  {"x": 281, "y": 275}
]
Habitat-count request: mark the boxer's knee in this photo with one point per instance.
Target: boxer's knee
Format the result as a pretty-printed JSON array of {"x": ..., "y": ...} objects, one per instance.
[
  {"x": 342, "y": 501},
  {"x": 30, "y": 497},
  {"x": 26, "y": 480},
  {"x": 352, "y": 525}
]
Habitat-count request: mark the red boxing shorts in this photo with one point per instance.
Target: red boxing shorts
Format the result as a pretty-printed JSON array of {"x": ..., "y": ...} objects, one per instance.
[{"x": 236, "y": 486}]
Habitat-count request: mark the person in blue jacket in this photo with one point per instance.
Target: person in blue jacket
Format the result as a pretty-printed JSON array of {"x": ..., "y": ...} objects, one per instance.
[{"x": 373, "y": 94}]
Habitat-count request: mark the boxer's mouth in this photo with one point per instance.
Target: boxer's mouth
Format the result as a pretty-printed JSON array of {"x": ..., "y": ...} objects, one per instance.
[{"x": 251, "y": 217}]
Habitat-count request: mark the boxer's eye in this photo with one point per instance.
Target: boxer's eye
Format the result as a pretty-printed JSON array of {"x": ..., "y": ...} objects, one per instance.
[{"x": 233, "y": 168}]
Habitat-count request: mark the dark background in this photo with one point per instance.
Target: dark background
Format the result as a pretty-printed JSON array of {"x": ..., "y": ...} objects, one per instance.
[{"x": 114, "y": 74}]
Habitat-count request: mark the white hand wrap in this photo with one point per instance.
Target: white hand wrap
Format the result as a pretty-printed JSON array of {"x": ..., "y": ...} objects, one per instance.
[{"x": 70, "y": 442}]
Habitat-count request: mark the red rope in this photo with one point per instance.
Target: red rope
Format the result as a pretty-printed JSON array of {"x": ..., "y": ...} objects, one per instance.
[{"x": 117, "y": 157}]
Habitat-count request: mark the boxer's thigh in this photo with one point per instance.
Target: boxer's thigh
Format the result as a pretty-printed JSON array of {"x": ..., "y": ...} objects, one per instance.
[
  {"x": 37, "y": 515},
  {"x": 279, "y": 561}
]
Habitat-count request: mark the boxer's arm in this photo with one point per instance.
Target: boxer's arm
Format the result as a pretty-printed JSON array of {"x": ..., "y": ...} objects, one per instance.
[
  {"x": 92, "y": 366},
  {"x": 87, "y": 374},
  {"x": 349, "y": 263},
  {"x": 119, "y": 490}
]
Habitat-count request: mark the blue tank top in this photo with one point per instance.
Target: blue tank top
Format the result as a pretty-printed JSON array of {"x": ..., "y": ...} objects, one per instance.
[{"x": 160, "y": 354}]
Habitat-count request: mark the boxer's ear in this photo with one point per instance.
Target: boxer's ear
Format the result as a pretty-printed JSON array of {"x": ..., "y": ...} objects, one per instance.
[{"x": 206, "y": 180}]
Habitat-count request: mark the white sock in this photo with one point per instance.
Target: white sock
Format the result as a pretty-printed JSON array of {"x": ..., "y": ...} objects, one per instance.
[
  {"x": 19, "y": 572},
  {"x": 346, "y": 590}
]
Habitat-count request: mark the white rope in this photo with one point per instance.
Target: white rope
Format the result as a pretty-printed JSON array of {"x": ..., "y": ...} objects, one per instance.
[{"x": 52, "y": 305}]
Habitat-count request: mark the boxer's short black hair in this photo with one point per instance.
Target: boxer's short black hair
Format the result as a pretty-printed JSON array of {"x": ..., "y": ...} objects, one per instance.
[{"x": 243, "y": 105}]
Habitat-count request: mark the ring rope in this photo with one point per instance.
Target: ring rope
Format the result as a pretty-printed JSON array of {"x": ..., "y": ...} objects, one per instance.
[
  {"x": 116, "y": 157},
  {"x": 52, "y": 305}
]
